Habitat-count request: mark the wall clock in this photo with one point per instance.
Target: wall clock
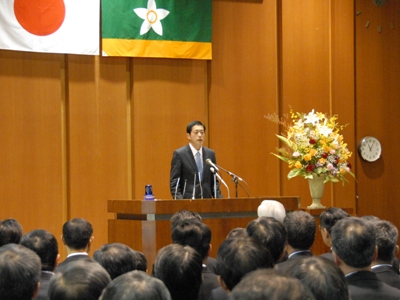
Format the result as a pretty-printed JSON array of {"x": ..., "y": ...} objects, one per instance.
[
  {"x": 378, "y": 6},
  {"x": 370, "y": 149}
]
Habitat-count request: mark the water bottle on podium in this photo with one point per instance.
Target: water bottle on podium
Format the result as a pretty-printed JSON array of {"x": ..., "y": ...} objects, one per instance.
[{"x": 148, "y": 192}]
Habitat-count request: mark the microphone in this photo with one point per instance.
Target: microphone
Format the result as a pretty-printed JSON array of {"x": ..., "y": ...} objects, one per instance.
[
  {"x": 184, "y": 189},
  {"x": 194, "y": 186},
  {"x": 176, "y": 188},
  {"x": 209, "y": 162},
  {"x": 220, "y": 178}
]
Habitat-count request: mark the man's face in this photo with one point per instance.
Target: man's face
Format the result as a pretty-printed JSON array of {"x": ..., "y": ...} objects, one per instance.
[{"x": 196, "y": 136}]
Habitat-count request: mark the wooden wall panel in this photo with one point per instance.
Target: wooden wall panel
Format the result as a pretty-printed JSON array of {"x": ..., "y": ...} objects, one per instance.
[
  {"x": 98, "y": 139},
  {"x": 243, "y": 90},
  {"x": 30, "y": 139},
  {"x": 316, "y": 64},
  {"x": 167, "y": 95},
  {"x": 343, "y": 92},
  {"x": 378, "y": 106}
]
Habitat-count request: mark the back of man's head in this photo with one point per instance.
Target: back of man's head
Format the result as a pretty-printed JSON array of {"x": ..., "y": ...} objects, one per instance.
[
  {"x": 10, "y": 232},
  {"x": 193, "y": 233},
  {"x": 300, "y": 227},
  {"x": 269, "y": 232},
  {"x": 330, "y": 216},
  {"x": 324, "y": 279},
  {"x": 265, "y": 284},
  {"x": 77, "y": 233},
  {"x": 239, "y": 256},
  {"x": 180, "y": 268},
  {"x": 44, "y": 244},
  {"x": 271, "y": 208},
  {"x": 118, "y": 258},
  {"x": 182, "y": 215},
  {"x": 19, "y": 272},
  {"x": 136, "y": 285},
  {"x": 82, "y": 279},
  {"x": 353, "y": 241},
  {"x": 386, "y": 235}
]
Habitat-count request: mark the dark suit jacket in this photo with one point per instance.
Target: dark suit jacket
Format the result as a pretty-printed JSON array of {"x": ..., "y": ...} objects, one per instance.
[
  {"x": 327, "y": 255},
  {"x": 44, "y": 286},
  {"x": 286, "y": 265},
  {"x": 184, "y": 168},
  {"x": 365, "y": 285},
  {"x": 210, "y": 282},
  {"x": 219, "y": 294},
  {"x": 212, "y": 265},
  {"x": 70, "y": 259},
  {"x": 388, "y": 275}
]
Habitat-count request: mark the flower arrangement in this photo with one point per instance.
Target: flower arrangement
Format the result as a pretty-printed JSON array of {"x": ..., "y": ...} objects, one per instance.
[{"x": 314, "y": 147}]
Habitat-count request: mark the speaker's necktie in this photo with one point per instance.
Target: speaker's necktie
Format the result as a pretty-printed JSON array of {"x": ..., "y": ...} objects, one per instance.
[{"x": 199, "y": 165}]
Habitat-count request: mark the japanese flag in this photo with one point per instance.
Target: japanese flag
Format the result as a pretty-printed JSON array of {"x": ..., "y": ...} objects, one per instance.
[{"x": 53, "y": 26}]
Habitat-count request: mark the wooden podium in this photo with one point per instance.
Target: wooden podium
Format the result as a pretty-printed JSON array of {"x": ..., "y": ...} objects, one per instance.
[{"x": 145, "y": 225}]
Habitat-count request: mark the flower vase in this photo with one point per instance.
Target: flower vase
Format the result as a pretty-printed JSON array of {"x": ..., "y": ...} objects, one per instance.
[{"x": 316, "y": 185}]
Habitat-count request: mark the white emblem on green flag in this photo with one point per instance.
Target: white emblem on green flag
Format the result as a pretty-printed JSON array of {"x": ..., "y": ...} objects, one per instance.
[
  {"x": 168, "y": 28},
  {"x": 152, "y": 17}
]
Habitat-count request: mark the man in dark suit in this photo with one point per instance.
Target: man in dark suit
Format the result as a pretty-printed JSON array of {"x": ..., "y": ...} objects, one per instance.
[
  {"x": 386, "y": 235},
  {"x": 328, "y": 218},
  {"x": 354, "y": 249},
  {"x": 77, "y": 238},
  {"x": 300, "y": 227},
  {"x": 44, "y": 244},
  {"x": 190, "y": 175},
  {"x": 237, "y": 257},
  {"x": 19, "y": 272},
  {"x": 194, "y": 233}
]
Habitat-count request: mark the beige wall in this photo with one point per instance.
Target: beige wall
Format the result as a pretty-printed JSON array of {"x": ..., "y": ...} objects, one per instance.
[{"x": 78, "y": 130}]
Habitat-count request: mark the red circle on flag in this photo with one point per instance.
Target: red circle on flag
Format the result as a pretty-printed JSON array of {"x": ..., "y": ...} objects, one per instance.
[{"x": 40, "y": 17}]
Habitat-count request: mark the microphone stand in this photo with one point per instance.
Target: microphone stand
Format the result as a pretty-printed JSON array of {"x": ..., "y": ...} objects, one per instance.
[{"x": 236, "y": 180}]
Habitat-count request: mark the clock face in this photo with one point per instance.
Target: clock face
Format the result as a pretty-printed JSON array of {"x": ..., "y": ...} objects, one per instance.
[
  {"x": 379, "y": 2},
  {"x": 370, "y": 149}
]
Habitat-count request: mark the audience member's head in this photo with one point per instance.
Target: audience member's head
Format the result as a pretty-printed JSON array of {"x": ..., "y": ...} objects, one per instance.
[
  {"x": 118, "y": 259},
  {"x": 82, "y": 279},
  {"x": 19, "y": 272},
  {"x": 136, "y": 285},
  {"x": 386, "y": 235},
  {"x": 237, "y": 232},
  {"x": 195, "y": 234},
  {"x": 330, "y": 216},
  {"x": 239, "y": 256},
  {"x": 265, "y": 284},
  {"x": 271, "y": 233},
  {"x": 77, "y": 234},
  {"x": 10, "y": 232},
  {"x": 300, "y": 227},
  {"x": 370, "y": 218},
  {"x": 180, "y": 268},
  {"x": 44, "y": 244},
  {"x": 181, "y": 215},
  {"x": 272, "y": 208},
  {"x": 353, "y": 243},
  {"x": 322, "y": 277}
]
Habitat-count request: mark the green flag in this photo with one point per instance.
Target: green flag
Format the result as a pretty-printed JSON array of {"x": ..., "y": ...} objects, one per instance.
[{"x": 157, "y": 28}]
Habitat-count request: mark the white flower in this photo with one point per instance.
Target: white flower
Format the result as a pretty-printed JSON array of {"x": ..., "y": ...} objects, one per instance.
[
  {"x": 152, "y": 17},
  {"x": 311, "y": 118}
]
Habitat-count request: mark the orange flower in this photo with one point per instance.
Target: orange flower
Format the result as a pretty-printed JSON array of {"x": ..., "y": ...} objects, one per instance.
[
  {"x": 307, "y": 157},
  {"x": 298, "y": 165},
  {"x": 313, "y": 152}
]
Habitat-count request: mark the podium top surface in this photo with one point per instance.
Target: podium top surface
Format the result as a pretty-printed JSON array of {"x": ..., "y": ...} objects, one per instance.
[{"x": 198, "y": 205}]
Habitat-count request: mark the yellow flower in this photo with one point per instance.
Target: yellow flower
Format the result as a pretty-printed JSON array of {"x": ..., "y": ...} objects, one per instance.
[
  {"x": 322, "y": 161},
  {"x": 313, "y": 152},
  {"x": 298, "y": 165},
  {"x": 307, "y": 157},
  {"x": 326, "y": 148}
]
